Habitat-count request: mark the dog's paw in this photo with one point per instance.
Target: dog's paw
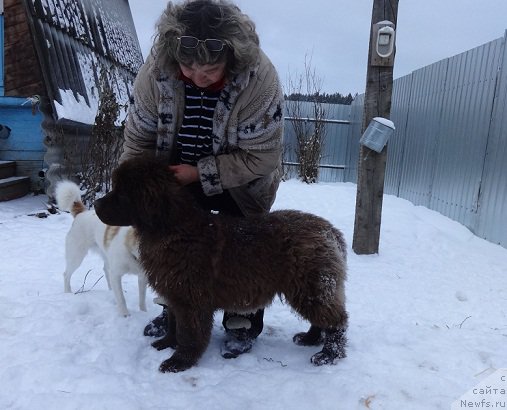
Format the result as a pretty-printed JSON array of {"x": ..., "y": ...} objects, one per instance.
[
  {"x": 328, "y": 356},
  {"x": 305, "y": 339},
  {"x": 175, "y": 364},
  {"x": 318, "y": 359},
  {"x": 165, "y": 342}
]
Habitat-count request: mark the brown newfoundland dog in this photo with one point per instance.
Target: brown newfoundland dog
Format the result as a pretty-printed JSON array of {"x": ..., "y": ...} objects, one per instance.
[{"x": 202, "y": 261}]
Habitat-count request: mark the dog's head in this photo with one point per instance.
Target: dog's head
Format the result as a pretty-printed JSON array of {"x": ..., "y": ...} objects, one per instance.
[{"x": 144, "y": 192}]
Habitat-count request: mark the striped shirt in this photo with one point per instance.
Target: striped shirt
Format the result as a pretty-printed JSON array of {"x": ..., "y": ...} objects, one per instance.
[{"x": 195, "y": 136}]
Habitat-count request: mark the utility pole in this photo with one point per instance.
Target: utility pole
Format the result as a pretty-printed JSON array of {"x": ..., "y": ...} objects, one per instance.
[{"x": 371, "y": 167}]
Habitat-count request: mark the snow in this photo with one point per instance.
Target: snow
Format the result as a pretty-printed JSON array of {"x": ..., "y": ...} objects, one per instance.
[
  {"x": 90, "y": 24},
  {"x": 76, "y": 109},
  {"x": 427, "y": 323},
  {"x": 7, "y": 180},
  {"x": 384, "y": 121}
]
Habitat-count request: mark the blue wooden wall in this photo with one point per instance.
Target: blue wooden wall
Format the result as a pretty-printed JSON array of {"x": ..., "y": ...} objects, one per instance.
[{"x": 24, "y": 144}]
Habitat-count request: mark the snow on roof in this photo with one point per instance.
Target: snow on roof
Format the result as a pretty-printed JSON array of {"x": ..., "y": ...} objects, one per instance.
[{"x": 78, "y": 41}]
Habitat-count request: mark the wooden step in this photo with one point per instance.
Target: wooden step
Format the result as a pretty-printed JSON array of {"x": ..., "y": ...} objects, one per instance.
[
  {"x": 7, "y": 169},
  {"x": 14, "y": 187}
]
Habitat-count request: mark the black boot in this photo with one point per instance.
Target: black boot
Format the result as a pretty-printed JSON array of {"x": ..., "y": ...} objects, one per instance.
[
  {"x": 159, "y": 325},
  {"x": 241, "y": 332}
]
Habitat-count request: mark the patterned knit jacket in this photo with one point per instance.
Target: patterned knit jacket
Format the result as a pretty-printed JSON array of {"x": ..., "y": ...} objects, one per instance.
[{"x": 247, "y": 131}]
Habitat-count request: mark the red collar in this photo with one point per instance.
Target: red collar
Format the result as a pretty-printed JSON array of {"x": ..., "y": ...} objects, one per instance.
[{"x": 219, "y": 85}]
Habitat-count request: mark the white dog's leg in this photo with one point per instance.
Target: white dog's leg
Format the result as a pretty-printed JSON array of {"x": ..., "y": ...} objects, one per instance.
[
  {"x": 66, "y": 281},
  {"x": 142, "y": 283},
  {"x": 74, "y": 255},
  {"x": 115, "y": 278},
  {"x": 106, "y": 273}
]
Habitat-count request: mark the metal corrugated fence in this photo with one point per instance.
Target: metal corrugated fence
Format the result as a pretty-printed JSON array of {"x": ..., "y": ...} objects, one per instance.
[
  {"x": 449, "y": 150},
  {"x": 441, "y": 154},
  {"x": 491, "y": 223},
  {"x": 334, "y": 151}
]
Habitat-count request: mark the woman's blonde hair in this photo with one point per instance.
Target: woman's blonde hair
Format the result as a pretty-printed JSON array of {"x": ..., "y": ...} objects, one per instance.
[{"x": 205, "y": 19}]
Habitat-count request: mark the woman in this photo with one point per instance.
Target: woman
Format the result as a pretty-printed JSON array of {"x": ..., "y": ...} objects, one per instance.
[{"x": 209, "y": 100}]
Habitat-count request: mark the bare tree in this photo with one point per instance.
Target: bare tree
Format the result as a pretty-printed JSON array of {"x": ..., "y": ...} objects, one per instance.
[
  {"x": 105, "y": 145},
  {"x": 307, "y": 120}
]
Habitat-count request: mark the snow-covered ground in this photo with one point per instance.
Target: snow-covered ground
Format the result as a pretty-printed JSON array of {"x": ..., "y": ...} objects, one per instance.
[{"x": 427, "y": 323}]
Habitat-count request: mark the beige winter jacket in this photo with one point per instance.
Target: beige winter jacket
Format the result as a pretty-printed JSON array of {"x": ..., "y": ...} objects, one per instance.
[{"x": 247, "y": 131}]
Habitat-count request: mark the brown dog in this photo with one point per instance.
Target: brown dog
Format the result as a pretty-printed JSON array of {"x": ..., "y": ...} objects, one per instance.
[{"x": 202, "y": 261}]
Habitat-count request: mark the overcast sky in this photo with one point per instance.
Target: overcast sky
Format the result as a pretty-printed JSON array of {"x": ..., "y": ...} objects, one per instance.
[{"x": 336, "y": 34}]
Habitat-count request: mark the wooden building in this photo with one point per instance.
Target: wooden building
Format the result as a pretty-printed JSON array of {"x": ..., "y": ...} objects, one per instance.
[{"x": 55, "y": 55}]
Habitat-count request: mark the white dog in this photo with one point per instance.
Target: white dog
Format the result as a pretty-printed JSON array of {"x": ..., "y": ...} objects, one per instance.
[{"x": 118, "y": 246}]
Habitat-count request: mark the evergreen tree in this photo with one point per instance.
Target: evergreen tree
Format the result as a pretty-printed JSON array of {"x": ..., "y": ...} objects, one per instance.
[{"x": 335, "y": 98}]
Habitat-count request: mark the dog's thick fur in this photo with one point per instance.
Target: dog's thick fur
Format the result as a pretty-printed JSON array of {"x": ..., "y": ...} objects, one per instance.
[
  {"x": 118, "y": 246},
  {"x": 202, "y": 261}
]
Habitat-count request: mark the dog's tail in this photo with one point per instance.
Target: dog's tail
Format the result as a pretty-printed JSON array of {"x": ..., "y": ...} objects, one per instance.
[{"x": 68, "y": 198}]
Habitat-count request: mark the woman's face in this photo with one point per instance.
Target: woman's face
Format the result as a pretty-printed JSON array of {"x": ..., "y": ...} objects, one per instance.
[{"x": 204, "y": 75}]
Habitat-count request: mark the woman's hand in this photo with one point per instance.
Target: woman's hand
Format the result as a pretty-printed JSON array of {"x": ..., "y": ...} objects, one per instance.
[{"x": 184, "y": 173}]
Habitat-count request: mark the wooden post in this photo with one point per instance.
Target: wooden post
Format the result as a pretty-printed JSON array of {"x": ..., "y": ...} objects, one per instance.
[{"x": 371, "y": 167}]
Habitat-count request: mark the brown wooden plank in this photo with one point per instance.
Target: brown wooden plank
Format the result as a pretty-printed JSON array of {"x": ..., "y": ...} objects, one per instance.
[{"x": 21, "y": 67}]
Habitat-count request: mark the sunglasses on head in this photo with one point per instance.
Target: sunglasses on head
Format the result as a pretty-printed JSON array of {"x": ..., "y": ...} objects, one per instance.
[{"x": 212, "y": 44}]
